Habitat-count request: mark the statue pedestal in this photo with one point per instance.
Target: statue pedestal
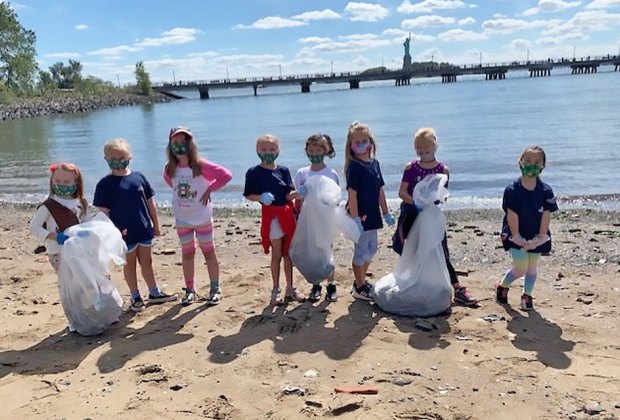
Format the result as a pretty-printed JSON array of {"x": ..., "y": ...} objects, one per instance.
[{"x": 407, "y": 62}]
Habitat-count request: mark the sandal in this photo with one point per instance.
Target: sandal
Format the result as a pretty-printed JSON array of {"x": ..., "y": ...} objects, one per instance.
[
  {"x": 293, "y": 295},
  {"x": 276, "y": 298}
]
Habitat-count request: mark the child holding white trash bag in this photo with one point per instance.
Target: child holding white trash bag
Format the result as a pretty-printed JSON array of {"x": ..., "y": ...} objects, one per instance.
[{"x": 318, "y": 146}]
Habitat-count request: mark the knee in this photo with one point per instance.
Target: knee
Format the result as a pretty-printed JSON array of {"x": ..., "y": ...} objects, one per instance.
[
  {"x": 188, "y": 256},
  {"x": 518, "y": 272}
]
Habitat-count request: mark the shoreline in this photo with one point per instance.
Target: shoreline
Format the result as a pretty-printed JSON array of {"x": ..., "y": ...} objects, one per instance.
[{"x": 74, "y": 103}]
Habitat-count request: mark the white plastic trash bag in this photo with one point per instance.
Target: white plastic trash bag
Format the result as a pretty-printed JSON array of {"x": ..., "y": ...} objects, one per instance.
[
  {"x": 89, "y": 298},
  {"x": 318, "y": 225},
  {"x": 420, "y": 285}
]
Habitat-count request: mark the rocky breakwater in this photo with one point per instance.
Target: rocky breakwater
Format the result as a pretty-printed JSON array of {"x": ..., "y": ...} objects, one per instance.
[{"x": 74, "y": 103}]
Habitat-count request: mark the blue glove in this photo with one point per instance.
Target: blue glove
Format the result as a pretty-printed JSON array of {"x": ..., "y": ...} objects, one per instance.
[
  {"x": 302, "y": 191},
  {"x": 266, "y": 198},
  {"x": 418, "y": 208},
  {"x": 358, "y": 222},
  {"x": 61, "y": 238},
  {"x": 389, "y": 219}
]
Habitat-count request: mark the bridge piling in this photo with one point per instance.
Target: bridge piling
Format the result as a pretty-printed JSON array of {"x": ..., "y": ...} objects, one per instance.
[
  {"x": 305, "y": 87},
  {"x": 448, "y": 78},
  {"x": 255, "y": 87},
  {"x": 204, "y": 92},
  {"x": 354, "y": 84},
  {"x": 584, "y": 68}
]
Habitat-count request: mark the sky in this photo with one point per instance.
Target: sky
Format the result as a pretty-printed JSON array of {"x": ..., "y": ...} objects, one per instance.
[{"x": 216, "y": 39}]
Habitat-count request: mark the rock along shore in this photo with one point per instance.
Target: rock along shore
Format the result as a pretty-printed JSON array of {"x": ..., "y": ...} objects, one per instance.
[{"x": 74, "y": 103}]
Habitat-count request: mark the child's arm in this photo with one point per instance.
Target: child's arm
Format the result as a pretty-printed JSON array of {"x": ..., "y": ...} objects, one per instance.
[
  {"x": 383, "y": 202},
  {"x": 513, "y": 225},
  {"x": 217, "y": 175},
  {"x": 404, "y": 194},
  {"x": 544, "y": 223},
  {"x": 36, "y": 225},
  {"x": 167, "y": 178},
  {"x": 353, "y": 210},
  {"x": 153, "y": 213}
]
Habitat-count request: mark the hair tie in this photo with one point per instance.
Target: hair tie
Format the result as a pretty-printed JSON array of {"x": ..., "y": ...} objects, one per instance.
[{"x": 53, "y": 167}]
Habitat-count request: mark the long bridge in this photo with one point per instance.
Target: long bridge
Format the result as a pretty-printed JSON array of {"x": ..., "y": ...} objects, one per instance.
[{"x": 448, "y": 74}]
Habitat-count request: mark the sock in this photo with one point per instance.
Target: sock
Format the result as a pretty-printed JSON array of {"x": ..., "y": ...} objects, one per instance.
[
  {"x": 135, "y": 294},
  {"x": 155, "y": 291},
  {"x": 189, "y": 283},
  {"x": 215, "y": 285}
]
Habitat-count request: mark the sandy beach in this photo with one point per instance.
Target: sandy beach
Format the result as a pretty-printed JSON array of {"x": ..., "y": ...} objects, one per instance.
[{"x": 245, "y": 360}]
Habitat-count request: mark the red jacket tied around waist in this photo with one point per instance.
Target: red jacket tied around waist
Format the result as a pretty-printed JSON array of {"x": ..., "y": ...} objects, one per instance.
[{"x": 286, "y": 217}]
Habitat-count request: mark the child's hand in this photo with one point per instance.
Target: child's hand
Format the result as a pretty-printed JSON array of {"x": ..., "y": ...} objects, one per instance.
[
  {"x": 61, "y": 238},
  {"x": 358, "y": 222},
  {"x": 535, "y": 242},
  {"x": 266, "y": 198},
  {"x": 206, "y": 197},
  {"x": 389, "y": 219},
  {"x": 156, "y": 230},
  {"x": 518, "y": 240}
]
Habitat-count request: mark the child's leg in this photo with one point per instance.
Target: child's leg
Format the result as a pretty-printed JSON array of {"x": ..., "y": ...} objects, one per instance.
[
  {"x": 288, "y": 271},
  {"x": 531, "y": 273},
  {"x": 146, "y": 266},
  {"x": 363, "y": 251},
  {"x": 188, "y": 252},
  {"x": 129, "y": 270},
  {"x": 520, "y": 262},
  {"x": 207, "y": 245},
  {"x": 276, "y": 256}
]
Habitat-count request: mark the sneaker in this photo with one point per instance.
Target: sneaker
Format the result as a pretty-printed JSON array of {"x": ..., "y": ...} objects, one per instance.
[
  {"x": 276, "y": 297},
  {"x": 501, "y": 294},
  {"x": 137, "y": 305},
  {"x": 190, "y": 296},
  {"x": 331, "y": 295},
  {"x": 315, "y": 293},
  {"x": 215, "y": 296},
  {"x": 293, "y": 295},
  {"x": 463, "y": 297},
  {"x": 163, "y": 298},
  {"x": 527, "y": 302},
  {"x": 363, "y": 292}
]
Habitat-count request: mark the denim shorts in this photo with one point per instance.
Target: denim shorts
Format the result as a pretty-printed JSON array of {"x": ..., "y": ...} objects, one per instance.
[
  {"x": 145, "y": 244},
  {"x": 366, "y": 247}
]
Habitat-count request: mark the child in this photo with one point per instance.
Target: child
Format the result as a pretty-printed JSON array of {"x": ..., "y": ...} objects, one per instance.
[
  {"x": 425, "y": 145},
  {"x": 193, "y": 179},
  {"x": 64, "y": 207},
  {"x": 272, "y": 186},
  {"x": 527, "y": 203},
  {"x": 317, "y": 147},
  {"x": 366, "y": 202},
  {"x": 126, "y": 197}
]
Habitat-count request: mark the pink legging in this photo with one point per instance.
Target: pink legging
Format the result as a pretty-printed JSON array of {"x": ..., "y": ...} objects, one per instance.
[{"x": 204, "y": 234}]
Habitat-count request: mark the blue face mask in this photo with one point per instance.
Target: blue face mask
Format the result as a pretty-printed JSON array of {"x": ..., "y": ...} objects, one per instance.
[
  {"x": 64, "y": 190},
  {"x": 314, "y": 159},
  {"x": 118, "y": 163},
  {"x": 268, "y": 157},
  {"x": 360, "y": 148}
]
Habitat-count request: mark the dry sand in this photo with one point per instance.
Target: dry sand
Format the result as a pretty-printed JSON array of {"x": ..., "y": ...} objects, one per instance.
[{"x": 234, "y": 360}]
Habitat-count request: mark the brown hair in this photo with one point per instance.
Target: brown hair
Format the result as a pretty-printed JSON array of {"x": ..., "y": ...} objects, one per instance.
[
  {"x": 535, "y": 149},
  {"x": 322, "y": 140},
  {"x": 348, "y": 153},
  {"x": 195, "y": 161},
  {"x": 79, "y": 182}
]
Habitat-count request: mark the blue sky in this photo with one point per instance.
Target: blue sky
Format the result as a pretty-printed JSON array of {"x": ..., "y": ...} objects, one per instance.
[{"x": 201, "y": 40}]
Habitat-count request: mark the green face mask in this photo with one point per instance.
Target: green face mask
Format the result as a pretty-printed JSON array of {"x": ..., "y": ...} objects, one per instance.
[
  {"x": 64, "y": 190},
  {"x": 530, "y": 169},
  {"x": 267, "y": 158},
  {"x": 118, "y": 163},
  {"x": 179, "y": 149},
  {"x": 316, "y": 158}
]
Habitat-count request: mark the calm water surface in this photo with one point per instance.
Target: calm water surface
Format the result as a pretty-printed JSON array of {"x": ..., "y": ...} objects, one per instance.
[{"x": 482, "y": 127}]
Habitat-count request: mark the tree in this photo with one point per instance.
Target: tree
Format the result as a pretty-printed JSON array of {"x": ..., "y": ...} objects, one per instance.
[
  {"x": 18, "y": 67},
  {"x": 46, "y": 83},
  {"x": 143, "y": 79},
  {"x": 66, "y": 77}
]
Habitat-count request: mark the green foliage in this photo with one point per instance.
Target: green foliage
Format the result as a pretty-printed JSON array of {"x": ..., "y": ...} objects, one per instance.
[
  {"x": 18, "y": 67},
  {"x": 92, "y": 85},
  {"x": 143, "y": 79},
  {"x": 66, "y": 77},
  {"x": 46, "y": 83}
]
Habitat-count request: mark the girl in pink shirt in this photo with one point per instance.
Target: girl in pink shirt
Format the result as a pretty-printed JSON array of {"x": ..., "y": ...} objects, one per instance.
[{"x": 193, "y": 179}]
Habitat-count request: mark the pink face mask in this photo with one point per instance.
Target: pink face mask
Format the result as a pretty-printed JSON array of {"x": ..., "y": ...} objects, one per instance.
[{"x": 360, "y": 148}]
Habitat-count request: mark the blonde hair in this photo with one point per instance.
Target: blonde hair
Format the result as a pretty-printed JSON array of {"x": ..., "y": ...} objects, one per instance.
[
  {"x": 195, "y": 161},
  {"x": 79, "y": 183},
  {"x": 348, "y": 153},
  {"x": 425, "y": 134},
  {"x": 323, "y": 140},
  {"x": 534, "y": 149},
  {"x": 119, "y": 145},
  {"x": 268, "y": 138}
]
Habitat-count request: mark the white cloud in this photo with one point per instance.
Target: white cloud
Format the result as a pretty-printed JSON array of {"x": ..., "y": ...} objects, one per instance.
[
  {"x": 427, "y": 6},
  {"x": 508, "y": 26},
  {"x": 313, "y": 40},
  {"x": 560, "y": 39},
  {"x": 519, "y": 44},
  {"x": 115, "y": 50},
  {"x": 583, "y": 22},
  {"x": 81, "y": 27},
  {"x": 67, "y": 55},
  {"x": 603, "y": 4},
  {"x": 172, "y": 37},
  {"x": 207, "y": 54},
  {"x": 359, "y": 37},
  {"x": 402, "y": 34},
  {"x": 551, "y": 6},
  {"x": 366, "y": 12},
  {"x": 466, "y": 21},
  {"x": 350, "y": 43},
  {"x": 460, "y": 35},
  {"x": 317, "y": 15},
  {"x": 427, "y": 20},
  {"x": 499, "y": 16},
  {"x": 269, "y": 59},
  {"x": 429, "y": 54},
  {"x": 272, "y": 22}
]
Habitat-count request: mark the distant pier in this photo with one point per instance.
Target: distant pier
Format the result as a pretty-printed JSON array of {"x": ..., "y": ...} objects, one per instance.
[{"x": 401, "y": 77}]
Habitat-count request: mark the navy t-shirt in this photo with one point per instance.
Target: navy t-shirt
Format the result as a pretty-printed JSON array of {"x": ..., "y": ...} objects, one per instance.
[
  {"x": 126, "y": 198},
  {"x": 366, "y": 179},
  {"x": 529, "y": 206},
  {"x": 277, "y": 181}
]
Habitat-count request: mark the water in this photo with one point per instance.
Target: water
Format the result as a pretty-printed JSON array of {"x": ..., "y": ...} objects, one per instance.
[{"x": 482, "y": 127}]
